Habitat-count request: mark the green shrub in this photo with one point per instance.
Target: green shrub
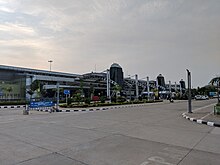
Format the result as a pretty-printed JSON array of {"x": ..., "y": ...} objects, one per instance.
[
  {"x": 87, "y": 100},
  {"x": 113, "y": 99},
  {"x": 63, "y": 105},
  {"x": 102, "y": 99},
  {"x": 121, "y": 99},
  {"x": 69, "y": 101},
  {"x": 14, "y": 103}
]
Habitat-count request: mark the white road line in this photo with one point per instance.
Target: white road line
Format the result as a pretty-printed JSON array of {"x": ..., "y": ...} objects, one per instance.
[
  {"x": 197, "y": 109},
  {"x": 206, "y": 115}
]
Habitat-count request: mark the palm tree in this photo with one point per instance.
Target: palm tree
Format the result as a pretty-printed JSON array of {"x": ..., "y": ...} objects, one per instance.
[
  {"x": 216, "y": 82},
  {"x": 9, "y": 90}
]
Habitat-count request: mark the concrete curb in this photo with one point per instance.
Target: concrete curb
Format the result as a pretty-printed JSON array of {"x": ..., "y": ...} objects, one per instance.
[
  {"x": 199, "y": 121},
  {"x": 100, "y": 109},
  {"x": 48, "y": 109},
  {"x": 90, "y": 109},
  {"x": 12, "y": 106}
]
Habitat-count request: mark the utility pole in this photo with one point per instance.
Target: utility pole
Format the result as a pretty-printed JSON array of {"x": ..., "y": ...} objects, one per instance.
[
  {"x": 58, "y": 95},
  {"x": 218, "y": 85},
  {"x": 189, "y": 91},
  {"x": 136, "y": 84},
  {"x": 148, "y": 89}
]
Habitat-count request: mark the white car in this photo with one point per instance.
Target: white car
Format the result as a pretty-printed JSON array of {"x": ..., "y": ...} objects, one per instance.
[
  {"x": 201, "y": 97},
  {"x": 198, "y": 97},
  {"x": 206, "y": 97}
]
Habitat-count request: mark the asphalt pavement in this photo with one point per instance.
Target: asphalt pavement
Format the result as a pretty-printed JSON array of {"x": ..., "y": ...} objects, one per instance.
[{"x": 148, "y": 134}]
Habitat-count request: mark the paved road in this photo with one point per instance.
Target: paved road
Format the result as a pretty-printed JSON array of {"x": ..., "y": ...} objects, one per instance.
[{"x": 153, "y": 134}]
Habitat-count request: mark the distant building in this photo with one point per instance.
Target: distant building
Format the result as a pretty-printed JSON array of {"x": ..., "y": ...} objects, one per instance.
[
  {"x": 18, "y": 83},
  {"x": 161, "y": 80},
  {"x": 182, "y": 84},
  {"x": 116, "y": 74}
]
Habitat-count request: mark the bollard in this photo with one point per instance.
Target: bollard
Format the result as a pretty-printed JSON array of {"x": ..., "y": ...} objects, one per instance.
[{"x": 26, "y": 110}]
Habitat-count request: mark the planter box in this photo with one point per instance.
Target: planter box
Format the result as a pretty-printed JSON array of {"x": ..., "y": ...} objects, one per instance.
[{"x": 216, "y": 110}]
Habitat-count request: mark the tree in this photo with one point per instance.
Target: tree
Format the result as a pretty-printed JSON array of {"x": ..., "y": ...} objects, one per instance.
[
  {"x": 35, "y": 85},
  {"x": 216, "y": 82},
  {"x": 116, "y": 91},
  {"x": 9, "y": 90}
]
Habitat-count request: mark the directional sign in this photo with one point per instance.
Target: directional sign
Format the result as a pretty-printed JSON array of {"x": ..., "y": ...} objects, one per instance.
[
  {"x": 66, "y": 92},
  {"x": 41, "y": 104}
]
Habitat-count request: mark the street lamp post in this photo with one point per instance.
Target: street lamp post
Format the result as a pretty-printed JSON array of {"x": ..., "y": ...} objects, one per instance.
[
  {"x": 58, "y": 95},
  {"x": 148, "y": 89},
  {"x": 50, "y": 61},
  {"x": 218, "y": 85},
  {"x": 189, "y": 91},
  {"x": 136, "y": 84}
]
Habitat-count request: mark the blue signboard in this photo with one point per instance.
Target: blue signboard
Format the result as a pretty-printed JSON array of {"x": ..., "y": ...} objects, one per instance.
[
  {"x": 211, "y": 94},
  {"x": 41, "y": 104},
  {"x": 66, "y": 92}
]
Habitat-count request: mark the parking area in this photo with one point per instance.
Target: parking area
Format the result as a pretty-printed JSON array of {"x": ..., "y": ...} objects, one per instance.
[{"x": 151, "y": 134}]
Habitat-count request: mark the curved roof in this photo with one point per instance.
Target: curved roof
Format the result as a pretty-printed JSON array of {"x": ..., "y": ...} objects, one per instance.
[
  {"x": 38, "y": 72},
  {"x": 160, "y": 76},
  {"x": 115, "y": 65}
]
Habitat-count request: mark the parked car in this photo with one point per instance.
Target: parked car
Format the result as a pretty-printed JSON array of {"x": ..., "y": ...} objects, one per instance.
[
  {"x": 198, "y": 97},
  {"x": 206, "y": 97},
  {"x": 201, "y": 97}
]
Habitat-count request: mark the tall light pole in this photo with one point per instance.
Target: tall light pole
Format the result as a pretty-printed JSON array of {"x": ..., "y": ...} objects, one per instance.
[
  {"x": 218, "y": 85},
  {"x": 148, "y": 89},
  {"x": 58, "y": 95},
  {"x": 50, "y": 61},
  {"x": 136, "y": 85},
  {"x": 189, "y": 91}
]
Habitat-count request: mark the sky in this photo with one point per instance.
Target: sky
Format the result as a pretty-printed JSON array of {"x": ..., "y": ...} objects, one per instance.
[{"x": 146, "y": 37}]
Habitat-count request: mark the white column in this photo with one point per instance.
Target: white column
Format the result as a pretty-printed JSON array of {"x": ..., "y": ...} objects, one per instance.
[
  {"x": 175, "y": 87},
  {"x": 108, "y": 83},
  {"x": 28, "y": 86}
]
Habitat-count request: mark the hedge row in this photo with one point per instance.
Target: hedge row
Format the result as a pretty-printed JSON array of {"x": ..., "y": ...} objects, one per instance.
[{"x": 106, "y": 104}]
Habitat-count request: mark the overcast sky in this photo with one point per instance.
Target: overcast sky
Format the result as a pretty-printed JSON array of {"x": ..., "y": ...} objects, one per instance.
[{"x": 147, "y": 37}]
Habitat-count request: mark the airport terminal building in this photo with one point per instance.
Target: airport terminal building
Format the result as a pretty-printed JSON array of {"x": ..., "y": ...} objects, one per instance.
[{"x": 18, "y": 83}]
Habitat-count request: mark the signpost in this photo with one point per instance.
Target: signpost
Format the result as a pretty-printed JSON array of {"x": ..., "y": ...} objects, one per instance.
[{"x": 66, "y": 92}]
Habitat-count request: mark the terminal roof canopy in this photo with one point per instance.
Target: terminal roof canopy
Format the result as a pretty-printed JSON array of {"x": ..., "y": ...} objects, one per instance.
[{"x": 36, "y": 71}]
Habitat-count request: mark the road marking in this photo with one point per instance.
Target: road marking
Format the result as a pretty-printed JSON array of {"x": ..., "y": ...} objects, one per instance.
[
  {"x": 197, "y": 109},
  {"x": 157, "y": 160},
  {"x": 144, "y": 163},
  {"x": 206, "y": 115}
]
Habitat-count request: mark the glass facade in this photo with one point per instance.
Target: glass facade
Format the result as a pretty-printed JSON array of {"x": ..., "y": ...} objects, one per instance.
[{"x": 12, "y": 85}]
